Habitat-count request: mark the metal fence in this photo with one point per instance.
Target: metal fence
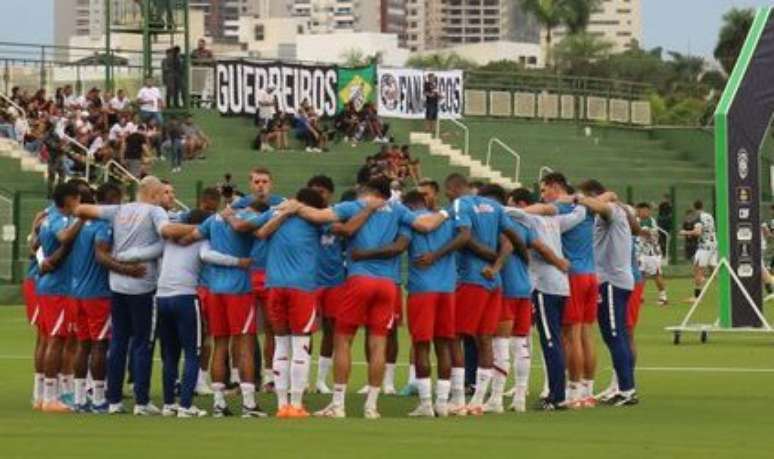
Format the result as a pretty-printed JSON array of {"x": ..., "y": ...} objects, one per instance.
[{"x": 17, "y": 211}]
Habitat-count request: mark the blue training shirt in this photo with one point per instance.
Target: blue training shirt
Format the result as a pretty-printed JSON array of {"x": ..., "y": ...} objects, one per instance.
[
  {"x": 441, "y": 276},
  {"x": 223, "y": 239},
  {"x": 578, "y": 242},
  {"x": 515, "y": 274},
  {"x": 381, "y": 229},
  {"x": 330, "y": 262},
  {"x": 260, "y": 248},
  {"x": 56, "y": 282},
  {"x": 294, "y": 249},
  {"x": 89, "y": 278},
  {"x": 486, "y": 220}
]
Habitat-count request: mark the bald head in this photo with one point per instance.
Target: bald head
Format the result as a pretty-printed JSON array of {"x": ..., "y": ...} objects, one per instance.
[{"x": 151, "y": 190}]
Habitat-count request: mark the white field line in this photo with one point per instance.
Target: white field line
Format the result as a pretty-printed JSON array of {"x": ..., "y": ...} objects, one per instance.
[{"x": 666, "y": 369}]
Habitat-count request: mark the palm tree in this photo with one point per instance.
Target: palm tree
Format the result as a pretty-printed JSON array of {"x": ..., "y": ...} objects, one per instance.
[
  {"x": 440, "y": 61},
  {"x": 736, "y": 25},
  {"x": 550, "y": 14},
  {"x": 577, "y": 53},
  {"x": 577, "y": 14}
]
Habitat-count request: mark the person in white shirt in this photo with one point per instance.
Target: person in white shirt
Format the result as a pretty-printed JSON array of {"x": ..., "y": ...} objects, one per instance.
[{"x": 151, "y": 104}]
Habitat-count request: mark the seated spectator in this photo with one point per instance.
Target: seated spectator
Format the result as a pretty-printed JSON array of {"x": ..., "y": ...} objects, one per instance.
[
  {"x": 347, "y": 121},
  {"x": 194, "y": 140}
]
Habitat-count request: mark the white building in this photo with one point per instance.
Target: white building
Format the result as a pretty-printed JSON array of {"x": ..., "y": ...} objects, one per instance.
[
  {"x": 617, "y": 21},
  {"x": 334, "y": 48},
  {"x": 528, "y": 54}
]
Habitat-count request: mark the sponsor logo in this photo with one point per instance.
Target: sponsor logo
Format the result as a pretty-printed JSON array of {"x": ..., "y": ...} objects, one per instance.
[{"x": 743, "y": 163}]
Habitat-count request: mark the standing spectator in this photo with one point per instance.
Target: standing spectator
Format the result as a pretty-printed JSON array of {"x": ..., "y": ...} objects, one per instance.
[
  {"x": 56, "y": 158},
  {"x": 135, "y": 146},
  {"x": 168, "y": 76},
  {"x": 149, "y": 99},
  {"x": 194, "y": 140},
  {"x": 267, "y": 108},
  {"x": 201, "y": 55},
  {"x": 178, "y": 74},
  {"x": 432, "y": 97},
  {"x": 174, "y": 139}
]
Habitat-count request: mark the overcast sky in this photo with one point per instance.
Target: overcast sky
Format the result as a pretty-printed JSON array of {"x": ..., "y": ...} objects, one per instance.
[{"x": 686, "y": 26}]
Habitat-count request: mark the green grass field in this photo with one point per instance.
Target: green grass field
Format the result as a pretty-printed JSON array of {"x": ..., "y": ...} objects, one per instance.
[{"x": 698, "y": 400}]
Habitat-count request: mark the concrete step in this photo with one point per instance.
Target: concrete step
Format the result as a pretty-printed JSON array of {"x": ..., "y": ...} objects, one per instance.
[{"x": 420, "y": 137}]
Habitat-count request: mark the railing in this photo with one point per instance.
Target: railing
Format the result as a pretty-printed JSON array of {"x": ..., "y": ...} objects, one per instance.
[
  {"x": 14, "y": 104},
  {"x": 87, "y": 153},
  {"x": 544, "y": 170},
  {"x": 115, "y": 164},
  {"x": 668, "y": 237},
  {"x": 495, "y": 141},
  {"x": 466, "y": 150}
]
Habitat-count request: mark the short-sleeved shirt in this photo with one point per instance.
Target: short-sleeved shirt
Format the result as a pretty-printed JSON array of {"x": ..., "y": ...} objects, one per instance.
[
  {"x": 441, "y": 276},
  {"x": 331, "y": 270},
  {"x": 149, "y": 99},
  {"x": 135, "y": 225},
  {"x": 179, "y": 270},
  {"x": 379, "y": 230},
  {"x": 546, "y": 277},
  {"x": 707, "y": 239},
  {"x": 648, "y": 246},
  {"x": 515, "y": 273},
  {"x": 56, "y": 282},
  {"x": 134, "y": 145},
  {"x": 486, "y": 219},
  {"x": 613, "y": 249},
  {"x": 260, "y": 247},
  {"x": 636, "y": 252},
  {"x": 224, "y": 239},
  {"x": 294, "y": 249},
  {"x": 578, "y": 243},
  {"x": 89, "y": 278}
]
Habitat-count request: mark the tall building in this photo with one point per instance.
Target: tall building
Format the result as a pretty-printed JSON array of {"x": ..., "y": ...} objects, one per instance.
[
  {"x": 78, "y": 18},
  {"x": 221, "y": 17},
  {"x": 617, "y": 21}
]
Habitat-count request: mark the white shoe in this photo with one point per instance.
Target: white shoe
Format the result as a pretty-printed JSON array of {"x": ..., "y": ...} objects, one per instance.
[
  {"x": 424, "y": 410},
  {"x": 510, "y": 392},
  {"x": 441, "y": 410},
  {"x": 309, "y": 150},
  {"x": 331, "y": 411},
  {"x": 192, "y": 412},
  {"x": 322, "y": 388},
  {"x": 146, "y": 410},
  {"x": 170, "y": 410},
  {"x": 116, "y": 408},
  {"x": 363, "y": 390},
  {"x": 607, "y": 394},
  {"x": 202, "y": 388},
  {"x": 457, "y": 410},
  {"x": 371, "y": 413},
  {"x": 494, "y": 406},
  {"x": 545, "y": 393},
  {"x": 388, "y": 390},
  {"x": 518, "y": 404}
]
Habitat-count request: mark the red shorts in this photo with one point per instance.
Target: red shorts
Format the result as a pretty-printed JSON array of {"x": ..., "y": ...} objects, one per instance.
[
  {"x": 398, "y": 305},
  {"x": 203, "y": 294},
  {"x": 582, "y": 304},
  {"x": 369, "y": 301},
  {"x": 55, "y": 315},
  {"x": 292, "y": 309},
  {"x": 92, "y": 318},
  {"x": 258, "y": 281},
  {"x": 520, "y": 311},
  {"x": 230, "y": 314},
  {"x": 329, "y": 299},
  {"x": 28, "y": 291},
  {"x": 634, "y": 305},
  {"x": 477, "y": 310},
  {"x": 430, "y": 315}
]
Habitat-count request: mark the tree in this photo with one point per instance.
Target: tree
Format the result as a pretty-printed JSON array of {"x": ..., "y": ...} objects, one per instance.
[
  {"x": 550, "y": 14},
  {"x": 440, "y": 61},
  {"x": 736, "y": 25},
  {"x": 577, "y": 14},
  {"x": 577, "y": 53}
]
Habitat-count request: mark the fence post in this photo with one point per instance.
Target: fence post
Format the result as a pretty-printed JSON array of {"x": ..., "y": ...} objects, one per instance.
[
  {"x": 16, "y": 209},
  {"x": 672, "y": 237}
]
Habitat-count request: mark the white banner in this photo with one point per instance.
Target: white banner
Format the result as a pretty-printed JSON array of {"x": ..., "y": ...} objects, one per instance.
[{"x": 401, "y": 92}]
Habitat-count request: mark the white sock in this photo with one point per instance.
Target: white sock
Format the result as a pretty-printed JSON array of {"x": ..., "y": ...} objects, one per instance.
[
  {"x": 546, "y": 389},
  {"x": 372, "y": 397},
  {"x": 66, "y": 384},
  {"x": 573, "y": 391},
  {"x": 235, "y": 376},
  {"x": 299, "y": 369},
  {"x": 248, "y": 394},
  {"x": 50, "y": 389},
  {"x": 522, "y": 361},
  {"x": 204, "y": 378},
  {"x": 483, "y": 377},
  {"x": 500, "y": 370},
  {"x": 339, "y": 394},
  {"x": 281, "y": 367},
  {"x": 442, "y": 388},
  {"x": 324, "y": 365},
  {"x": 662, "y": 295},
  {"x": 613, "y": 382},
  {"x": 80, "y": 391},
  {"x": 458, "y": 386},
  {"x": 412, "y": 375},
  {"x": 424, "y": 387},
  {"x": 37, "y": 387},
  {"x": 267, "y": 375},
  {"x": 218, "y": 394},
  {"x": 98, "y": 395},
  {"x": 588, "y": 387},
  {"x": 389, "y": 376}
]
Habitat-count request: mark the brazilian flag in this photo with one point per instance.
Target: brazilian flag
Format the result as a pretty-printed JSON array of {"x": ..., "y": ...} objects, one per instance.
[{"x": 357, "y": 85}]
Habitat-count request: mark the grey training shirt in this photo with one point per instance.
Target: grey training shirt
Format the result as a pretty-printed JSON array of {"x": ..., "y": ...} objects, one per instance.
[{"x": 613, "y": 249}]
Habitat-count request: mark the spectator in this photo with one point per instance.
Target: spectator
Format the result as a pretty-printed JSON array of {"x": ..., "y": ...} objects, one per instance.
[
  {"x": 266, "y": 112},
  {"x": 194, "y": 140},
  {"x": 135, "y": 146},
  {"x": 168, "y": 76},
  {"x": 117, "y": 106},
  {"x": 201, "y": 55},
  {"x": 347, "y": 121},
  {"x": 432, "y": 98},
  {"x": 664, "y": 221},
  {"x": 173, "y": 142},
  {"x": 149, "y": 100}
]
